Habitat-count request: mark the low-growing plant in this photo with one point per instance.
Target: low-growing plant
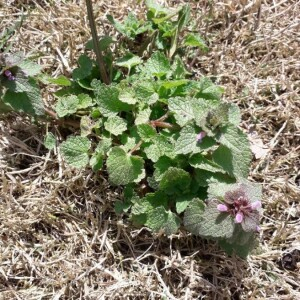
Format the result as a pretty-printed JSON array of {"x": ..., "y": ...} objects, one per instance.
[{"x": 169, "y": 139}]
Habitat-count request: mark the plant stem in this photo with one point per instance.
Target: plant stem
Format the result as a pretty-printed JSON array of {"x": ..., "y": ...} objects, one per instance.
[
  {"x": 61, "y": 122},
  {"x": 136, "y": 147},
  {"x": 161, "y": 124},
  {"x": 98, "y": 52}
]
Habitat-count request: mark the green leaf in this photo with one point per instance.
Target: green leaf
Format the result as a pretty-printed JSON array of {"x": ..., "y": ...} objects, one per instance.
[
  {"x": 104, "y": 145},
  {"x": 29, "y": 102},
  {"x": 160, "y": 146},
  {"x": 187, "y": 141},
  {"x": 84, "y": 101},
  {"x": 115, "y": 125},
  {"x": 195, "y": 40},
  {"x": 204, "y": 178},
  {"x": 178, "y": 69},
  {"x": 122, "y": 207},
  {"x": 234, "y": 114},
  {"x": 131, "y": 27},
  {"x": 160, "y": 219},
  {"x": 182, "y": 202},
  {"x": 208, "y": 90},
  {"x": 96, "y": 161},
  {"x": 182, "y": 109},
  {"x": 60, "y": 80},
  {"x": 236, "y": 156},
  {"x": 75, "y": 151},
  {"x": 87, "y": 124},
  {"x": 127, "y": 96},
  {"x": 21, "y": 83},
  {"x": 104, "y": 43},
  {"x": 66, "y": 105},
  {"x": 85, "y": 68},
  {"x": 143, "y": 116},
  {"x": 175, "y": 181},
  {"x": 161, "y": 166},
  {"x": 128, "y": 61},
  {"x": 30, "y": 68},
  {"x": 122, "y": 167},
  {"x": 156, "y": 9},
  {"x": 50, "y": 141},
  {"x": 146, "y": 132},
  {"x": 208, "y": 221},
  {"x": 146, "y": 92},
  {"x": 174, "y": 83},
  {"x": 107, "y": 98},
  {"x": 158, "y": 65},
  {"x": 198, "y": 161}
]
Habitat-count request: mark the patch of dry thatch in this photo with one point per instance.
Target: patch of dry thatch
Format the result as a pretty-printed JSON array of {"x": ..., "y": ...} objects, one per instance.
[{"x": 60, "y": 237}]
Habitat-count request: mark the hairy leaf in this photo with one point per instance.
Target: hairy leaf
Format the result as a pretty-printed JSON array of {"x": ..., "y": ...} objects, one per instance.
[
  {"x": 208, "y": 221},
  {"x": 182, "y": 108},
  {"x": 75, "y": 151},
  {"x": 236, "y": 156},
  {"x": 115, "y": 125},
  {"x": 175, "y": 181},
  {"x": 122, "y": 167}
]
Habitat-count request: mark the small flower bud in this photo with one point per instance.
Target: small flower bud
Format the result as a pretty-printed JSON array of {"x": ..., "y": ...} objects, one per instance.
[
  {"x": 7, "y": 73},
  {"x": 256, "y": 205},
  {"x": 200, "y": 136},
  {"x": 239, "y": 217},
  {"x": 222, "y": 207}
]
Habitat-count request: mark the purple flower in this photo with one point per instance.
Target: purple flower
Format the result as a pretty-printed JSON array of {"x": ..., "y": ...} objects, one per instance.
[
  {"x": 200, "y": 136},
  {"x": 242, "y": 209},
  {"x": 239, "y": 217},
  {"x": 222, "y": 207},
  {"x": 9, "y": 75}
]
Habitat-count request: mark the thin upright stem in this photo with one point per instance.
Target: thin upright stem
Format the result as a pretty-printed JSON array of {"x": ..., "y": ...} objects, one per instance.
[{"x": 98, "y": 52}]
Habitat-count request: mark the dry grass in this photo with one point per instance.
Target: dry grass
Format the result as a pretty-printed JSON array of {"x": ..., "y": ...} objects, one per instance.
[{"x": 60, "y": 237}]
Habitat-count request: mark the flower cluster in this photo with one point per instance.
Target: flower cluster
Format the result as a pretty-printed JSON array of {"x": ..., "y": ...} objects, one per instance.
[{"x": 242, "y": 209}]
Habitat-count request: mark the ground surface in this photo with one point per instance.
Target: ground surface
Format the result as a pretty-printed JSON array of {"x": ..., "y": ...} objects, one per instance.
[{"x": 60, "y": 238}]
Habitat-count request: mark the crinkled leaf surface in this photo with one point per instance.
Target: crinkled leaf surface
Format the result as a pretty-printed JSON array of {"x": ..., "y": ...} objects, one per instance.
[
  {"x": 122, "y": 167},
  {"x": 159, "y": 147},
  {"x": 30, "y": 68},
  {"x": 146, "y": 92},
  {"x": 66, "y": 105},
  {"x": 208, "y": 221},
  {"x": 50, "y": 141},
  {"x": 158, "y": 65},
  {"x": 21, "y": 83},
  {"x": 75, "y": 151},
  {"x": 161, "y": 219},
  {"x": 237, "y": 157},
  {"x": 143, "y": 116},
  {"x": 198, "y": 161},
  {"x": 115, "y": 125},
  {"x": 107, "y": 99},
  {"x": 187, "y": 141},
  {"x": 29, "y": 102},
  {"x": 128, "y": 61},
  {"x": 175, "y": 181},
  {"x": 182, "y": 202},
  {"x": 161, "y": 166},
  {"x": 84, "y": 101},
  {"x": 182, "y": 109},
  {"x": 146, "y": 132}
]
